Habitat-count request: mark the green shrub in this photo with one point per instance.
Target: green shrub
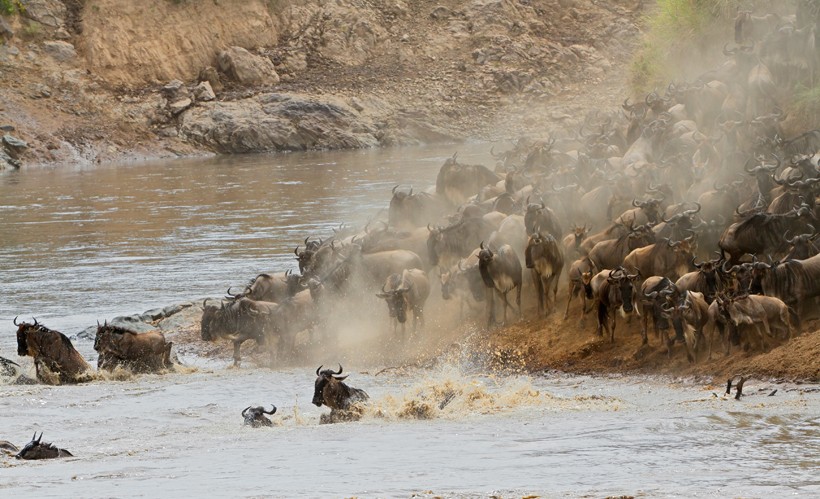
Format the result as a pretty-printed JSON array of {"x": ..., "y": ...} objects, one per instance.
[
  {"x": 679, "y": 35},
  {"x": 805, "y": 105}
]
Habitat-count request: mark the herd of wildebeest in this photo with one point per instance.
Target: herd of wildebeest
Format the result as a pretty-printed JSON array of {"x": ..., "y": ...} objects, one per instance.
[{"x": 691, "y": 206}]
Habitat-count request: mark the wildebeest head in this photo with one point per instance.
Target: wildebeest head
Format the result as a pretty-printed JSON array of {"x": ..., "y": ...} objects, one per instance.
[
  {"x": 103, "y": 339},
  {"x": 37, "y": 450},
  {"x": 395, "y": 294},
  {"x": 255, "y": 416},
  {"x": 623, "y": 282},
  {"x": 212, "y": 318},
  {"x": 650, "y": 208},
  {"x": 326, "y": 380},
  {"x": 22, "y": 340}
]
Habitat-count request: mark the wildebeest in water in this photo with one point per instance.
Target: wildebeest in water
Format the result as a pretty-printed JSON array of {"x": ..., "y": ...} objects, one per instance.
[
  {"x": 329, "y": 390},
  {"x": 255, "y": 416},
  {"x": 52, "y": 352},
  {"x": 140, "y": 352},
  {"x": 41, "y": 450}
]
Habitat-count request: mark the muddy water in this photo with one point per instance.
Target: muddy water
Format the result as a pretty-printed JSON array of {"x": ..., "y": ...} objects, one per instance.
[{"x": 78, "y": 245}]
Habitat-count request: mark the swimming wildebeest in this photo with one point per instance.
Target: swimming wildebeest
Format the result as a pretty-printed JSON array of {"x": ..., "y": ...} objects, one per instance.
[
  {"x": 143, "y": 352},
  {"x": 255, "y": 416},
  {"x": 39, "y": 450},
  {"x": 53, "y": 354},
  {"x": 329, "y": 390}
]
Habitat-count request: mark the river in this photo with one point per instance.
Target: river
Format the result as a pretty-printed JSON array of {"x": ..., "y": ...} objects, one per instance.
[{"x": 83, "y": 244}]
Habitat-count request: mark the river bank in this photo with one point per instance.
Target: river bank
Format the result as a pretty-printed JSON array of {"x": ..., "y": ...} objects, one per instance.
[{"x": 109, "y": 81}]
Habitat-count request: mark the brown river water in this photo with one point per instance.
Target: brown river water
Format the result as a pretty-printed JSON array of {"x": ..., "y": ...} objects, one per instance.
[{"x": 83, "y": 244}]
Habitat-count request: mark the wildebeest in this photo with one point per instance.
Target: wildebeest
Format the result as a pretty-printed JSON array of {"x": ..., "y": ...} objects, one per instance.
[
  {"x": 540, "y": 218},
  {"x": 760, "y": 314},
  {"x": 610, "y": 253},
  {"x": 615, "y": 292},
  {"x": 239, "y": 320},
  {"x": 274, "y": 287},
  {"x": 643, "y": 212},
  {"x": 406, "y": 291},
  {"x": 330, "y": 390},
  {"x": 446, "y": 245},
  {"x": 580, "y": 277},
  {"x": 668, "y": 259},
  {"x": 456, "y": 182},
  {"x": 703, "y": 280},
  {"x": 255, "y": 416},
  {"x": 8, "y": 447},
  {"x": 463, "y": 282},
  {"x": 501, "y": 273},
  {"x": 8, "y": 367},
  {"x": 760, "y": 233},
  {"x": 572, "y": 241},
  {"x": 408, "y": 210},
  {"x": 53, "y": 353},
  {"x": 793, "y": 281},
  {"x": 139, "y": 352},
  {"x": 689, "y": 315},
  {"x": 653, "y": 295},
  {"x": 544, "y": 257},
  {"x": 41, "y": 450}
]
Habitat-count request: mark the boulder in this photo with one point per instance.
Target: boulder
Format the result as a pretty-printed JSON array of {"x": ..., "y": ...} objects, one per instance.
[
  {"x": 175, "y": 90},
  {"x": 179, "y": 106},
  {"x": 276, "y": 122},
  {"x": 211, "y": 75},
  {"x": 204, "y": 92},
  {"x": 247, "y": 68},
  {"x": 59, "y": 50},
  {"x": 49, "y": 12},
  {"x": 14, "y": 146},
  {"x": 131, "y": 323}
]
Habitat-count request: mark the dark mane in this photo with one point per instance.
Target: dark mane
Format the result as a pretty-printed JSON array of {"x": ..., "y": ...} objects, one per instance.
[{"x": 42, "y": 329}]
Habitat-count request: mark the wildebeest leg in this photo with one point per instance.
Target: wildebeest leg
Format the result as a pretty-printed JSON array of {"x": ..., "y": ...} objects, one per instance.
[
  {"x": 518, "y": 300},
  {"x": 491, "y": 307},
  {"x": 506, "y": 304},
  {"x": 555, "y": 279},
  {"x": 612, "y": 331},
  {"x": 602, "y": 319},
  {"x": 539, "y": 291},
  {"x": 236, "y": 357},
  {"x": 545, "y": 285},
  {"x": 569, "y": 300},
  {"x": 645, "y": 324}
]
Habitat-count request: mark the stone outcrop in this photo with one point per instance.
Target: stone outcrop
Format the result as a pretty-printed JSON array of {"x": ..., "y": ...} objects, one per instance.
[{"x": 246, "y": 68}]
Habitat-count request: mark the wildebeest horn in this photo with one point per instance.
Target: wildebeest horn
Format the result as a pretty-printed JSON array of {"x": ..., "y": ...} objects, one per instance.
[
  {"x": 695, "y": 263},
  {"x": 35, "y": 321},
  {"x": 41, "y": 436},
  {"x": 296, "y": 250},
  {"x": 318, "y": 369},
  {"x": 15, "y": 320},
  {"x": 340, "y": 370},
  {"x": 481, "y": 245},
  {"x": 288, "y": 272},
  {"x": 651, "y": 295},
  {"x": 272, "y": 411},
  {"x": 244, "y": 411},
  {"x": 394, "y": 189}
]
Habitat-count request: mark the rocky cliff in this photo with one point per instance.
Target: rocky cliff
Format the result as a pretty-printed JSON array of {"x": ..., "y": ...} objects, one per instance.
[{"x": 101, "y": 80}]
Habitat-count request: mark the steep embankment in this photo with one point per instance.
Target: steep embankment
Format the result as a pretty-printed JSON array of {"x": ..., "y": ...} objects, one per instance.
[{"x": 84, "y": 79}]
